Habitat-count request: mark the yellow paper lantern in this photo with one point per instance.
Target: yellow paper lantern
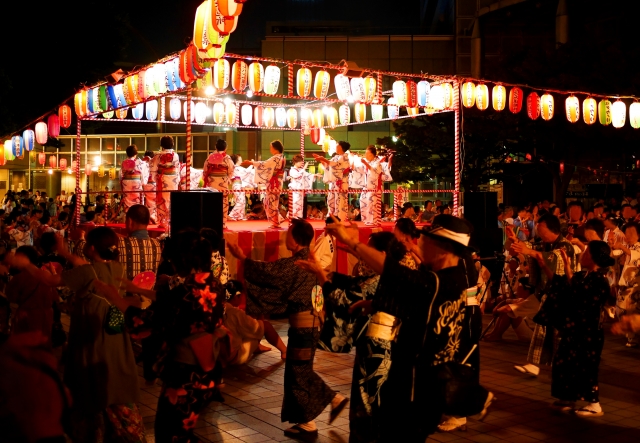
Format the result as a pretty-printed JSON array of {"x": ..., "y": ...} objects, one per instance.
[
  {"x": 572, "y": 108},
  {"x": 221, "y": 74},
  {"x": 589, "y": 110},
  {"x": 344, "y": 114},
  {"x": 205, "y": 36},
  {"x": 499, "y": 97},
  {"x": 321, "y": 84},
  {"x": 218, "y": 113},
  {"x": 268, "y": 117},
  {"x": 370, "y": 85},
  {"x": 112, "y": 173},
  {"x": 230, "y": 113},
  {"x": 271, "y": 80},
  {"x": 482, "y": 97},
  {"x": 634, "y": 115},
  {"x": 318, "y": 118},
  {"x": 8, "y": 150},
  {"x": 292, "y": 118},
  {"x": 332, "y": 117},
  {"x": 326, "y": 143},
  {"x": 618, "y": 114},
  {"x": 468, "y": 94},
  {"x": 400, "y": 92},
  {"x": 413, "y": 112},
  {"x": 303, "y": 82},
  {"x": 447, "y": 92},
  {"x": 101, "y": 171},
  {"x": 604, "y": 112},
  {"x": 547, "y": 106},
  {"x": 360, "y": 111},
  {"x": 256, "y": 77},
  {"x": 239, "y": 76}
]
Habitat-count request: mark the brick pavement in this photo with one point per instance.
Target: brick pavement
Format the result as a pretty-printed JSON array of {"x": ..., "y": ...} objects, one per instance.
[{"x": 253, "y": 393}]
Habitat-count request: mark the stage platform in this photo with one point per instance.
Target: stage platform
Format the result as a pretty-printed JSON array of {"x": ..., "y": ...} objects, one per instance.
[{"x": 260, "y": 242}]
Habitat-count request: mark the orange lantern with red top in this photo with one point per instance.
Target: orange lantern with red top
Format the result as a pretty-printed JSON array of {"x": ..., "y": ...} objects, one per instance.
[
  {"x": 515, "y": 100},
  {"x": 229, "y": 8},
  {"x": 63, "y": 164},
  {"x": 224, "y": 25}
]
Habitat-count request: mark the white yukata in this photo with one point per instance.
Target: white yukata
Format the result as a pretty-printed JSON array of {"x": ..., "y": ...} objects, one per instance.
[
  {"x": 134, "y": 174},
  {"x": 299, "y": 180},
  {"x": 370, "y": 197},
  {"x": 218, "y": 169},
  {"x": 195, "y": 175},
  {"x": 334, "y": 175},
  {"x": 270, "y": 173},
  {"x": 164, "y": 170},
  {"x": 242, "y": 179},
  {"x": 357, "y": 177}
]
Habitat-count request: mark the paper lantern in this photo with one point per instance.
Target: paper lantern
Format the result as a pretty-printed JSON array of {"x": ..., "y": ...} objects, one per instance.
[
  {"x": 572, "y": 108},
  {"x": 174, "y": 108},
  {"x": 400, "y": 92},
  {"x": 618, "y": 114},
  {"x": 63, "y": 164},
  {"x": 53, "y": 162},
  {"x": 412, "y": 94},
  {"x": 138, "y": 111},
  {"x": 343, "y": 87},
  {"x": 561, "y": 167},
  {"x": 436, "y": 97},
  {"x": 533, "y": 106},
  {"x": 74, "y": 165},
  {"x": 229, "y": 8},
  {"x": 53, "y": 125},
  {"x": 171, "y": 73},
  {"x": 246, "y": 115},
  {"x": 318, "y": 118},
  {"x": 589, "y": 110},
  {"x": 193, "y": 110},
  {"x": 344, "y": 114},
  {"x": 547, "y": 106},
  {"x": 8, "y": 150},
  {"x": 292, "y": 118},
  {"x": 42, "y": 133},
  {"x": 482, "y": 97},
  {"x": 224, "y": 25},
  {"x": 112, "y": 173},
  {"x": 17, "y": 145},
  {"x": 3, "y": 160},
  {"x": 468, "y": 94},
  {"x": 304, "y": 79},
  {"x": 151, "y": 110},
  {"x": 281, "y": 117},
  {"x": 108, "y": 114},
  {"x": 360, "y": 111},
  {"x": 604, "y": 112},
  {"x": 64, "y": 115},
  {"x": 271, "y": 80},
  {"x": 332, "y": 117},
  {"x": 77, "y": 104},
  {"x": 499, "y": 97},
  {"x": 256, "y": 77},
  {"x": 357, "y": 89},
  {"x": 221, "y": 74},
  {"x": 100, "y": 171},
  {"x": 634, "y": 115},
  {"x": 122, "y": 113},
  {"x": 370, "y": 89},
  {"x": 204, "y": 34},
  {"x": 230, "y": 113},
  {"x": 377, "y": 111},
  {"x": 42, "y": 158},
  {"x": 258, "y": 113},
  {"x": 423, "y": 89},
  {"x": 268, "y": 117},
  {"x": 515, "y": 100},
  {"x": 326, "y": 143},
  {"x": 413, "y": 112},
  {"x": 392, "y": 108},
  {"x": 321, "y": 84},
  {"x": 142, "y": 89},
  {"x": 87, "y": 169},
  {"x": 201, "y": 112},
  {"x": 321, "y": 136},
  {"x": 315, "y": 136},
  {"x": 29, "y": 138},
  {"x": 239, "y": 76},
  {"x": 218, "y": 113},
  {"x": 148, "y": 82}
]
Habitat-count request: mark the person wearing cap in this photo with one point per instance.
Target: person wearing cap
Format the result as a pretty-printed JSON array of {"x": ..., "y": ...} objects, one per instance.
[
  {"x": 415, "y": 327},
  {"x": 164, "y": 171},
  {"x": 218, "y": 169}
]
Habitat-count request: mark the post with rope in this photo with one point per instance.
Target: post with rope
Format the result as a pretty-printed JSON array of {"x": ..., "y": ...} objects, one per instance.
[
  {"x": 456, "y": 177},
  {"x": 78, "y": 190},
  {"x": 187, "y": 184}
]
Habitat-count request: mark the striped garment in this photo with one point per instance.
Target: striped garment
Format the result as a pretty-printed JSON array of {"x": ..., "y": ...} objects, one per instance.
[{"x": 139, "y": 255}]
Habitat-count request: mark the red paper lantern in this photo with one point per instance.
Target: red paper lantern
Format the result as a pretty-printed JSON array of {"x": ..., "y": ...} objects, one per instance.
[
  {"x": 87, "y": 169},
  {"x": 561, "y": 167},
  {"x": 42, "y": 133},
  {"x": 3, "y": 160},
  {"x": 412, "y": 94},
  {"x": 64, "y": 116},
  {"x": 533, "y": 105},
  {"x": 229, "y": 8},
  {"x": 42, "y": 158},
  {"x": 63, "y": 163},
  {"x": 515, "y": 100},
  {"x": 53, "y": 123},
  {"x": 315, "y": 136},
  {"x": 53, "y": 161}
]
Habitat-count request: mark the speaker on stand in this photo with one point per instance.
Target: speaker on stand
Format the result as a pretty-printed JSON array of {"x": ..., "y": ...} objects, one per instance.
[
  {"x": 197, "y": 210},
  {"x": 481, "y": 210}
]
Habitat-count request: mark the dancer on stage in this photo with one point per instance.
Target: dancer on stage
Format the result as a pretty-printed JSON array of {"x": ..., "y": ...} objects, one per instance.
[
  {"x": 299, "y": 180},
  {"x": 150, "y": 190},
  {"x": 271, "y": 172},
  {"x": 134, "y": 174},
  {"x": 164, "y": 170},
  {"x": 334, "y": 174},
  {"x": 242, "y": 179},
  {"x": 370, "y": 197},
  {"x": 195, "y": 175},
  {"x": 218, "y": 169}
]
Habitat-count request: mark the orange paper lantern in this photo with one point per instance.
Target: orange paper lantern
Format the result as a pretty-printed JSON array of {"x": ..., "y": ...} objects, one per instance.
[
  {"x": 547, "y": 106},
  {"x": 221, "y": 74},
  {"x": 482, "y": 97},
  {"x": 589, "y": 110},
  {"x": 239, "y": 76},
  {"x": 515, "y": 100},
  {"x": 229, "y": 8},
  {"x": 360, "y": 112},
  {"x": 321, "y": 84},
  {"x": 304, "y": 79},
  {"x": 499, "y": 97},
  {"x": 468, "y": 94},
  {"x": 256, "y": 77},
  {"x": 370, "y": 85},
  {"x": 224, "y": 25}
]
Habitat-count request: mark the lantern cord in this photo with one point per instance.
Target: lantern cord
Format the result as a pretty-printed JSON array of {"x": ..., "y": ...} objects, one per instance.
[
  {"x": 41, "y": 118},
  {"x": 188, "y": 133}
]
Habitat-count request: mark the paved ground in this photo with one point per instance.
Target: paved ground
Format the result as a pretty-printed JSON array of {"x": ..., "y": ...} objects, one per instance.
[{"x": 253, "y": 393}]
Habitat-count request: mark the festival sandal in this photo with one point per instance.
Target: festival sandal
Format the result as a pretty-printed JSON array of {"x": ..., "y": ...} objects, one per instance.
[
  {"x": 452, "y": 424},
  {"x": 296, "y": 431},
  {"x": 563, "y": 406},
  {"x": 485, "y": 410},
  {"x": 523, "y": 369},
  {"x": 588, "y": 412},
  {"x": 337, "y": 410}
]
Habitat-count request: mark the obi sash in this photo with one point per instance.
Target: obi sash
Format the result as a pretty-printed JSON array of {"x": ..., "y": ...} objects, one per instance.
[
  {"x": 135, "y": 175},
  {"x": 383, "y": 326},
  {"x": 217, "y": 170},
  {"x": 278, "y": 175},
  {"x": 166, "y": 171}
]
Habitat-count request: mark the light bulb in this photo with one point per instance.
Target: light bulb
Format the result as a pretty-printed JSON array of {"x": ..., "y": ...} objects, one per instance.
[
  {"x": 210, "y": 90},
  {"x": 249, "y": 93},
  {"x": 227, "y": 101},
  {"x": 69, "y": 171},
  {"x": 97, "y": 160},
  {"x": 394, "y": 138},
  {"x": 50, "y": 171}
]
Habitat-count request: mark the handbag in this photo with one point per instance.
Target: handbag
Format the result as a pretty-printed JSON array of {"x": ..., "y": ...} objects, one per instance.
[{"x": 114, "y": 320}]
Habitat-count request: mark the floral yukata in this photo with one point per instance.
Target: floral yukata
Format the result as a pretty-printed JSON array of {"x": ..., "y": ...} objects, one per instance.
[
  {"x": 370, "y": 197},
  {"x": 299, "y": 180},
  {"x": 280, "y": 287},
  {"x": 165, "y": 173},
  {"x": 242, "y": 179},
  {"x": 218, "y": 169},
  {"x": 334, "y": 175},
  {"x": 186, "y": 317},
  {"x": 134, "y": 174},
  {"x": 270, "y": 173}
]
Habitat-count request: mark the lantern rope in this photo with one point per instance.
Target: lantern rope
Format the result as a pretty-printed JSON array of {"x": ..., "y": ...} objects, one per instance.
[
  {"x": 188, "y": 131},
  {"x": 78, "y": 190},
  {"x": 456, "y": 179},
  {"x": 290, "y": 79},
  {"x": 302, "y": 143}
]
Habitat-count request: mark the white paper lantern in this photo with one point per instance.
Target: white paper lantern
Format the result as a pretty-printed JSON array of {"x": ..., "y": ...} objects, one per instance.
[
  {"x": 618, "y": 114},
  {"x": 436, "y": 98},
  {"x": 292, "y": 118},
  {"x": 201, "y": 112},
  {"x": 230, "y": 113},
  {"x": 343, "y": 88},
  {"x": 246, "y": 115},
  {"x": 151, "y": 110},
  {"x": 281, "y": 117},
  {"x": 174, "y": 108},
  {"x": 357, "y": 89},
  {"x": 305, "y": 117},
  {"x": 400, "y": 92},
  {"x": 392, "y": 108},
  {"x": 377, "y": 112},
  {"x": 321, "y": 138},
  {"x": 138, "y": 111},
  {"x": 634, "y": 115},
  {"x": 271, "y": 80},
  {"x": 344, "y": 114},
  {"x": 423, "y": 92},
  {"x": 193, "y": 110}
]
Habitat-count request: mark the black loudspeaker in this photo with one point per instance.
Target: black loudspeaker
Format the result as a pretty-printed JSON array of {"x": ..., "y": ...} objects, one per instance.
[
  {"x": 196, "y": 210},
  {"x": 481, "y": 210}
]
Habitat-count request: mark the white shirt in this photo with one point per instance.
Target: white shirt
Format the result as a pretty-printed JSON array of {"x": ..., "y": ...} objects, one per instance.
[{"x": 324, "y": 250}]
